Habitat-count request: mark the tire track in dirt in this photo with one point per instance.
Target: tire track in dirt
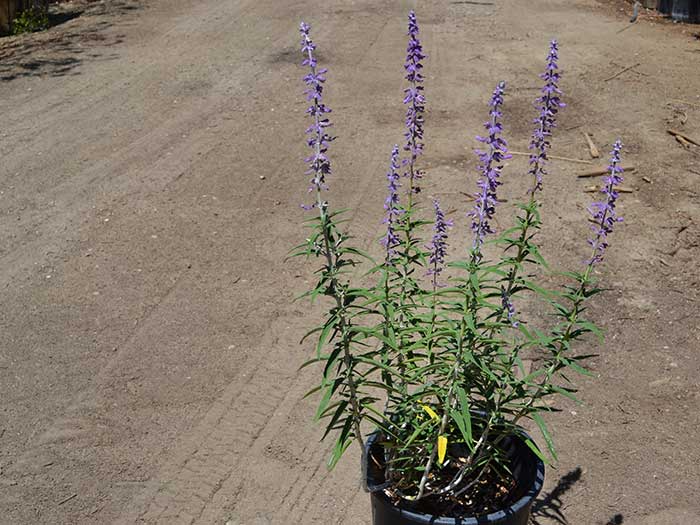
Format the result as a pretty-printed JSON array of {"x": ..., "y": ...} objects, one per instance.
[
  {"x": 215, "y": 448},
  {"x": 210, "y": 469},
  {"x": 182, "y": 500},
  {"x": 213, "y": 464}
]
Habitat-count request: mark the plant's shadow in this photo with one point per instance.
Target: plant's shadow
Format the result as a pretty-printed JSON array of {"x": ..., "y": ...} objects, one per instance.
[
  {"x": 617, "y": 519},
  {"x": 550, "y": 507}
]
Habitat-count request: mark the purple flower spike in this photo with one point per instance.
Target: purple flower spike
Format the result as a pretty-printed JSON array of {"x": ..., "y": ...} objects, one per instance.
[
  {"x": 603, "y": 212},
  {"x": 438, "y": 246},
  {"x": 549, "y": 104},
  {"x": 391, "y": 205},
  {"x": 415, "y": 99},
  {"x": 508, "y": 308},
  {"x": 490, "y": 166},
  {"x": 318, "y": 137}
]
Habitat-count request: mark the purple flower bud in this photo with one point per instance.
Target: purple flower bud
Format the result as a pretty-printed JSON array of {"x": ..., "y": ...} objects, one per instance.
[
  {"x": 415, "y": 100},
  {"x": 438, "y": 246},
  {"x": 508, "y": 308},
  {"x": 603, "y": 212},
  {"x": 391, "y": 205},
  {"x": 490, "y": 166},
  {"x": 318, "y": 137},
  {"x": 549, "y": 104}
]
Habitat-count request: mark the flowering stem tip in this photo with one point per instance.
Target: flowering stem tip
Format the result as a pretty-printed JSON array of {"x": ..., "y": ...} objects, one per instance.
[{"x": 318, "y": 137}]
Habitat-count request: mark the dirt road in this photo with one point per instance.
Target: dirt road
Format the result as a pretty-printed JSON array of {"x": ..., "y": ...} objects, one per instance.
[{"x": 149, "y": 191}]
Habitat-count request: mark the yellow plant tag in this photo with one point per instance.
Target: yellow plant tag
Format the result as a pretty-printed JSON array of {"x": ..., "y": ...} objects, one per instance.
[
  {"x": 431, "y": 412},
  {"x": 442, "y": 449}
]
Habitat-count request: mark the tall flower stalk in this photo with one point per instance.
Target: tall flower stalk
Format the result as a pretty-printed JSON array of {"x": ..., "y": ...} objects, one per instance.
[
  {"x": 318, "y": 137},
  {"x": 405, "y": 257},
  {"x": 438, "y": 246},
  {"x": 392, "y": 206},
  {"x": 415, "y": 100},
  {"x": 604, "y": 215},
  {"x": 490, "y": 167},
  {"x": 549, "y": 104},
  {"x": 328, "y": 243}
]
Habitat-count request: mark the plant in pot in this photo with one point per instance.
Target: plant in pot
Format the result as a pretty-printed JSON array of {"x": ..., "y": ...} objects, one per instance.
[{"x": 432, "y": 367}]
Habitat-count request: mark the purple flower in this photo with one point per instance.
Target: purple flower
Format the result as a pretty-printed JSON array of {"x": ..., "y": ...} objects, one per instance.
[
  {"x": 549, "y": 104},
  {"x": 415, "y": 100},
  {"x": 318, "y": 137},
  {"x": 490, "y": 166},
  {"x": 508, "y": 308},
  {"x": 603, "y": 212},
  {"x": 438, "y": 246},
  {"x": 391, "y": 205}
]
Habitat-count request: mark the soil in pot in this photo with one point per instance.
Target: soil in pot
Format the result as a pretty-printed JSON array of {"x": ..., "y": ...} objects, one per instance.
[
  {"x": 488, "y": 494},
  {"x": 497, "y": 497}
]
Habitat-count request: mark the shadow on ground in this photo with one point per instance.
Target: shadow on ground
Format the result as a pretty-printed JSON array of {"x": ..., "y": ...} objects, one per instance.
[
  {"x": 59, "y": 50},
  {"x": 550, "y": 507}
]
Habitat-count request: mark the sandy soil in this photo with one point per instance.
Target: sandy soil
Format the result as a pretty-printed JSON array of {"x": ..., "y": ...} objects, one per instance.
[{"x": 148, "y": 338}]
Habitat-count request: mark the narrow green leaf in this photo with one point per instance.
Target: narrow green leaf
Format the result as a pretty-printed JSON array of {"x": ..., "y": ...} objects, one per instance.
[
  {"x": 545, "y": 433},
  {"x": 531, "y": 445}
]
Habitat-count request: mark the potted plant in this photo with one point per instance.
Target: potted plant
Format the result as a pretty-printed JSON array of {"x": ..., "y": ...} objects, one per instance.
[{"x": 430, "y": 357}]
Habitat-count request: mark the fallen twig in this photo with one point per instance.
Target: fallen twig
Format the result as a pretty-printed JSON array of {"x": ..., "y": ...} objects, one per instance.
[
  {"x": 691, "y": 170},
  {"x": 66, "y": 500},
  {"x": 683, "y": 142},
  {"x": 621, "y": 189},
  {"x": 591, "y": 147},
  {"x": 97, "y": 509},
  {"x": 625, "y": 28},
  {"x": 677, "y": 134},
  {"x": 553, "y": 157},
  {"x": 602, "y": 171},
  {"x": 685, "y": 102},
  {"x": 622, "y": 71}
]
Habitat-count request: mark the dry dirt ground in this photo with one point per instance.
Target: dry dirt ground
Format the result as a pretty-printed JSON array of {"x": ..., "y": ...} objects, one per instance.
[{"x": 148, "y": 338}]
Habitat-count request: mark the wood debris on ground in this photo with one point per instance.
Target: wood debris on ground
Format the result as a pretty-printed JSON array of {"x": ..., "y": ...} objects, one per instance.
[
  {"x": 591, "y": 146},
  {"x": 602, "y": 171},
  {"x": 683, "y": 136}
]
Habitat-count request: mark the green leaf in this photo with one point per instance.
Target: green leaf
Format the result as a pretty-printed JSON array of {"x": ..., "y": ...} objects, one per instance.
[
  {"x": 531, "y": 445},
  {"x": 327, "y": 394},
  {"x": 566, "y": 392},
  {"x": 341, "y": 445},
  {"x": 545, "y": 434},
  {"x": 342, "y": 405},
  {"x": 463, "y": 418},
  {"x": 577, "y": 368}
]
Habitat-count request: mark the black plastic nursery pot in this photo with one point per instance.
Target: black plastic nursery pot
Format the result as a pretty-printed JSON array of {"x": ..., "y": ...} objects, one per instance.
[
  {"x": 527, "y": 469},
  {"x": 681, "y": 10}
]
